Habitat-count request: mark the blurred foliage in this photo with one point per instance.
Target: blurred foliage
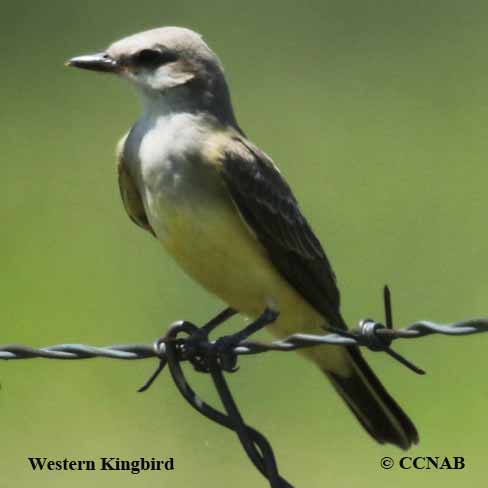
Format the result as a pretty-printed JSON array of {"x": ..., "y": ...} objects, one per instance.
[{"x": 377, "y": 114}]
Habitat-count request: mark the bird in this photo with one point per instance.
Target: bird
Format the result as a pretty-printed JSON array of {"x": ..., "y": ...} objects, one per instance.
[{"x": 218, "y": 204}]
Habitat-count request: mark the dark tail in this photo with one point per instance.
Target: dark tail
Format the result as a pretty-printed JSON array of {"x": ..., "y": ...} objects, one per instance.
[{"x": 372, "y": 405}]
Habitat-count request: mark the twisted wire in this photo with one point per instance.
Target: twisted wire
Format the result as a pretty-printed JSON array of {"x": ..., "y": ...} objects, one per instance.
[
  {"x": 358, "y": 337},
  {"x": 206, "y": 356}
]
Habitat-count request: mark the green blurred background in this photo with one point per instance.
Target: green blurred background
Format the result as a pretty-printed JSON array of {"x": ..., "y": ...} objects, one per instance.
[{"x": 377, "y": 114}]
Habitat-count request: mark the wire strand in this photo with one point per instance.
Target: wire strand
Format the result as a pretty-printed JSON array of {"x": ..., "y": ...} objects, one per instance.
[{"x": 185, "y": 341}]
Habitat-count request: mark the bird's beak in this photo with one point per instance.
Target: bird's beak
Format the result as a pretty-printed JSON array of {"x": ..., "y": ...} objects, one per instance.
[{"x": 95, "y": 62}]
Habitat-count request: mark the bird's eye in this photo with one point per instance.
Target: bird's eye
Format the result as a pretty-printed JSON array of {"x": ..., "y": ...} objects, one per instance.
[{"x": 154, "y": 57}]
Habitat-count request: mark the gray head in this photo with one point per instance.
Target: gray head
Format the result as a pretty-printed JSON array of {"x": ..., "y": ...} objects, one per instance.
[{"x": 172, "y": 65}]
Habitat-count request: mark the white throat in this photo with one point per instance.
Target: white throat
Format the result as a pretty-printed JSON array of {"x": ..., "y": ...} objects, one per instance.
[{"x": 171, "y": 101}]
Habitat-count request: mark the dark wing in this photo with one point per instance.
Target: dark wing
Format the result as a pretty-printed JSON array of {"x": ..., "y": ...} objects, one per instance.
[
  {"x": 132, "y": 200},
  {"x": 267, "y": 204}
]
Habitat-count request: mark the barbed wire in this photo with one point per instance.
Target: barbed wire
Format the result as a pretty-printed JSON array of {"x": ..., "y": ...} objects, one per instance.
[
  {"x": 365, "y": 335},
  {"x": 207, "y": 356}
]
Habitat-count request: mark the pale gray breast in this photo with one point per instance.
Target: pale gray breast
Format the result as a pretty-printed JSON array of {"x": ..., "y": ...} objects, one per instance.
[{"x": 164, "y": 157}]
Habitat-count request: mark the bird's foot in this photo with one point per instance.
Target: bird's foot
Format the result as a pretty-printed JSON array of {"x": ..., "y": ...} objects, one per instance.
[
  {"x": 198, "y": 347},
  {"x": 223, "y": 349},
  {"x": 202, "y": 353}
]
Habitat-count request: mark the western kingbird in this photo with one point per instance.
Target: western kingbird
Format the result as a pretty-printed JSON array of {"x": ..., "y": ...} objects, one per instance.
[{"x": 220, "y": 206}]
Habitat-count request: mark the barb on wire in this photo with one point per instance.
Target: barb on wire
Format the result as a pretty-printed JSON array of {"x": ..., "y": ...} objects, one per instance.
[
  {"x": 248, "y": 347},
  {"x": 187, "y": 342}
]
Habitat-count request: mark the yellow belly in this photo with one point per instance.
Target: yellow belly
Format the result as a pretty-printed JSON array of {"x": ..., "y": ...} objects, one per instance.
[
  {"x": 217, "y": 249},
  {"x": 214, "y": 246}
]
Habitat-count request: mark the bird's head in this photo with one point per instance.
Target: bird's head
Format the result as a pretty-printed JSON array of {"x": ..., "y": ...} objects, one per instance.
[{"x": 170, "y": 63}]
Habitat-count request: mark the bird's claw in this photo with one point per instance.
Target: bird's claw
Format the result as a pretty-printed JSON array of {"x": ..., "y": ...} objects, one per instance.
[
  {"x": 200, "y": 352},
  {"x": 223, "y": 351}
]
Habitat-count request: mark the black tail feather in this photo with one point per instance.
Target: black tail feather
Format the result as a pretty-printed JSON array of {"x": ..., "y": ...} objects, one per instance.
[{"x": 372, "y": 405}]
